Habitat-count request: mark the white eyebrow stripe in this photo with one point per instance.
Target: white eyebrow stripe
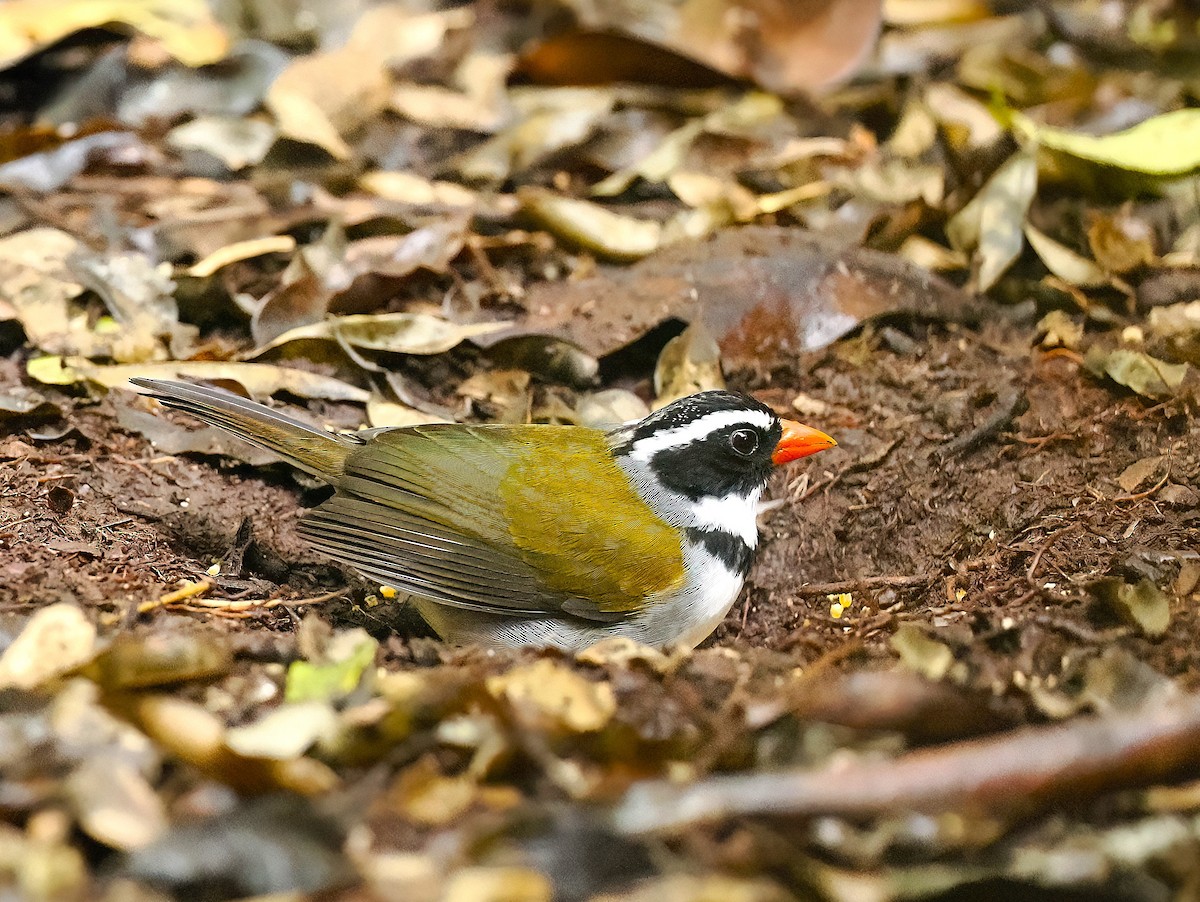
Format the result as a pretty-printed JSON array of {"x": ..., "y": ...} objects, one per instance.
[{"x": 645, "y": 448}]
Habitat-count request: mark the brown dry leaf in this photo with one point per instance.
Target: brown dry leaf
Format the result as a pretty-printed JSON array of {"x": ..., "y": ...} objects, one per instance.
[
  {"x": 1141, "y": 472},
  {"x": 765, "y": 293},
  {"x": 784, "y": 46},
  {"x": 1073, "y": 268},
  {"x": 740, "y": 115},
  {"x": 552, "y": 696},
  {"x": 332, "y": 274},
  {"x": 906, "y": 13},
  {"x": 140, "y": 297},
  {"x": 56, "y": 640},
  {"x": 259, "y": 379},
  {"x": 407, "y": 188},
  {"x": 610, "y": 407},
  {"x": 114, "y": 802},
  {"x": 382, "y": 413},
  {"x": 40, "y": 286},
  {"x": 549, "y": 121},
  {"x": 426, "y": 795},
  {"x": 221, "y": 144},
  {"x": 689, "y": 363},
  {"x": 322, "y": 98},
  {"x": 186, "y": 29},
  {"x": 1121, "y": 242}
]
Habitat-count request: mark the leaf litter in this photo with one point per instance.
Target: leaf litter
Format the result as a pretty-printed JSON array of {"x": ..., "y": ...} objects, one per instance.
[{"x": 966, "y": 656}]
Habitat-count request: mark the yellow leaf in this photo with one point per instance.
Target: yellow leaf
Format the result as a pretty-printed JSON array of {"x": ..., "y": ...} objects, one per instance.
[{"x": 1166, "y": 145}]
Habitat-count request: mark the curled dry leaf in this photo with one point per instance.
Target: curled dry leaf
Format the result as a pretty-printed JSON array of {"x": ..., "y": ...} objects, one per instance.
[
  {"x": 1137, "y": 371},
  {"x": 396, "y": 333},
  {"x": 613, "y": 236},
  {"x": 690, "y": 363},
  {"x": 992, "y": 222},
  {"x": 258, "y": 379},
  {"x": 238, "y": 251}
]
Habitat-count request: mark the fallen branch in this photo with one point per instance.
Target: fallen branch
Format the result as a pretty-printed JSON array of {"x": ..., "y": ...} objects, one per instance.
[{"x": 1012, "y": 774}]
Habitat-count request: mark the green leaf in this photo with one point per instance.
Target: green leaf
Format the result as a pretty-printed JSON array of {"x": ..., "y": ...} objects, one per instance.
[
  {"x": 1166, "y": 145},
  {"x": 1137, "y": 371},
  {"x": 334, "y": 679}
]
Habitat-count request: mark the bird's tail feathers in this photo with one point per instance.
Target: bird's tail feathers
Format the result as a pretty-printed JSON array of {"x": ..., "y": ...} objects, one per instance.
[{"x": 311, "y": 449}]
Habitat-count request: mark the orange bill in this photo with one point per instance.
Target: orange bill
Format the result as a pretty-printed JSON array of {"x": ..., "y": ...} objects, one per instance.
[{"x": 799, "y": 441}]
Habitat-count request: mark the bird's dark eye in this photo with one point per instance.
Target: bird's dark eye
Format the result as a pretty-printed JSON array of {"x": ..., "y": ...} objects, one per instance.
[{"x": 744, "y": 442}]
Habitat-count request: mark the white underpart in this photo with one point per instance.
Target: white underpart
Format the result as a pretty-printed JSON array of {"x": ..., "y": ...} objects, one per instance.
[{"x": 645, "y": 448}]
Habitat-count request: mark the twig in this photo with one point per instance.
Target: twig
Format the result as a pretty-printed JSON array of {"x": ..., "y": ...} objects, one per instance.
[
  {"x": 1050, "y": 540},
  {"x": 1008, "y": 404},
  {"x": 1014, "y": 773},
  {"x": 188, "y": 590}
]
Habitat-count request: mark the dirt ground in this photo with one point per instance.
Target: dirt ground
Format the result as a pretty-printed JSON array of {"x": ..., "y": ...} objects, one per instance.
[{"x": 974, "y": 489}]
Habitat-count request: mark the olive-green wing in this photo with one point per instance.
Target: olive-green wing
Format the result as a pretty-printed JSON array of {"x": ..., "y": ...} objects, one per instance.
[{"x": 531, "y": 520}]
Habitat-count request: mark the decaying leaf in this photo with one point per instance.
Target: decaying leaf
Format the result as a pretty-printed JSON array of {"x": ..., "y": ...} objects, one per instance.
[
  {"x": 918, "y": 652},
  {"x": 1143, "y": 605},
  {"x": 238, "y": 251},
  {"x": 791, "y": 47},
  {"x": 1140, "y": 472},
  {"x": 321, "y": 98},
  {"x": 1137, "y": 370}
]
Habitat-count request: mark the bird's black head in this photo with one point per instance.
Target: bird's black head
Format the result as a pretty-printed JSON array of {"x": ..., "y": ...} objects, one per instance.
[{"x": 715, "y": 443}]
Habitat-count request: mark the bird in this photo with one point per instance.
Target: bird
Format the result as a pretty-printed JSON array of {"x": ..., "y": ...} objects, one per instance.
[{"x": 538, "y": 534}]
